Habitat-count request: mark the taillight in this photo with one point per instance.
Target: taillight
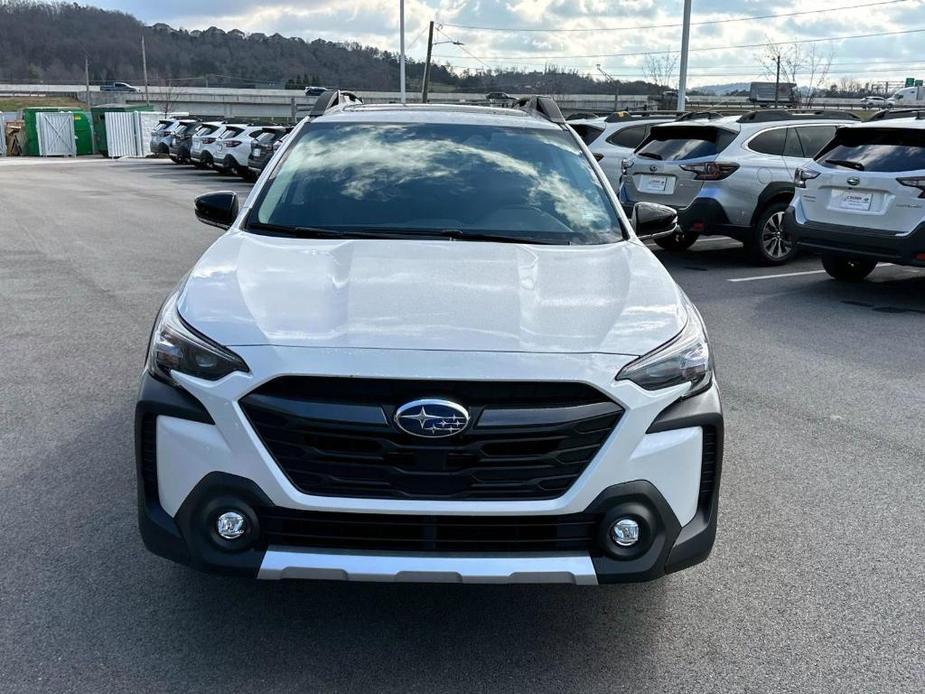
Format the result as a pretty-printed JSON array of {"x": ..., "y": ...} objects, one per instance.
[
  {"x": 208, "y": 140},
  {"x": 232, "y": 143},
  {"x": 711, "y": 171},
  {"x": 914, "y": 182},
  {"x": 801, "y": 176}
]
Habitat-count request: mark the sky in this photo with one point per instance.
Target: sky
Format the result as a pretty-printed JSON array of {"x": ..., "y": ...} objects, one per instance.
[{"x": 616, "y": 34}]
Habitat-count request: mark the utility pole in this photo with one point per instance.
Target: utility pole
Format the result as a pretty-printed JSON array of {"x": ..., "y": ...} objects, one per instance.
[
  {"x": 401, "y": 66},
  {"x": 777, "y": 83},
  {"x": 87, "y": 77},
  {"x": 685, "y": 46},
  {"x": 430, "y": 47},
  {"x": 144, "y": 67}
]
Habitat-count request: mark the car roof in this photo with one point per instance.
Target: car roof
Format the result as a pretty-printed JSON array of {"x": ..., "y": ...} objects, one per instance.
[
  {"x": 451, "y": 114},
  {"x": 910, "y": 123},
  {"x": 733, "y": 124}
]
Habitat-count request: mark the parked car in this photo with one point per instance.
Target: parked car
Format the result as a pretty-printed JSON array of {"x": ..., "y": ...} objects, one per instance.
[
  {"x": 730, "y": 176},
  {"x": 862, "y": 199},
  {"x": 613, "y": 139},
  {"x": 178, "y": 144},
  {"x": 263, "y": 148},
  {"x": 433, "y": 348},
  {"x": 209, "y": 146},
  {"x": 315, "y": 91},
  {"x": 204, "y": 135},
  {"x": 118, "y": 87},
  {"x": 159, "y": 143},
  {"x": 232, "y": 149},
  {"x": 500, "y": 99},
  {"x": 874, "y": 102}
]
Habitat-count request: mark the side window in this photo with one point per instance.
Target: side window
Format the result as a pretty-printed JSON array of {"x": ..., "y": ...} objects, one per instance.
[
  {"x": 793, "y": 148},
  {"x": 629, "y": 137},
  {"x": 815, "y": 138},
  {"x": 769, "y": 142}
]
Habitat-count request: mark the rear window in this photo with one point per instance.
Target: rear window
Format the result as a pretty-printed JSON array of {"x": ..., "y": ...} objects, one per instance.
[
  {"x": 863, "y": 149},
  {"x": 231, "y": 132},
  {"x": 588, "y": 133},
  {"x": 676, "y": 143},
  {"x": 630, "y": 136},
  {"x": 418, "y": 178},
  {"x": 266, "y": 136}
]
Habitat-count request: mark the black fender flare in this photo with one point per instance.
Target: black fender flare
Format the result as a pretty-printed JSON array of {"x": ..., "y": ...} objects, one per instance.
[{"x": 776, "y": 191}]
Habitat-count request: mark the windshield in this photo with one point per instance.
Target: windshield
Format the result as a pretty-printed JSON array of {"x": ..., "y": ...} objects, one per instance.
[{"x": 437, "y": 180}]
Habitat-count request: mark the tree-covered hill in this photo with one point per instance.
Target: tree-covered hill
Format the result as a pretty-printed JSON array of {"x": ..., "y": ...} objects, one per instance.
[{"x": 47, "y": 42}]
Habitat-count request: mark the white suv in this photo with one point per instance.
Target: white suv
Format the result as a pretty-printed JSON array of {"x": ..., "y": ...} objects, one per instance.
[
  {"x": 232, "y": 148},
  {"x": 862, "y": 199},
  {"x": 730, "y": 176},
  {"x": 430, "y": 346},
  {"x": 613, "y": 139}
]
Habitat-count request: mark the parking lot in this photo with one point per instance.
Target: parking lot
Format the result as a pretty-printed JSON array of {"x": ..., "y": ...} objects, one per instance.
[{"x": 815, "y": 582}]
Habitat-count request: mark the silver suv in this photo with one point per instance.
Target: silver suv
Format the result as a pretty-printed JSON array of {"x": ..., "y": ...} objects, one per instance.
[
  {"x": 729, "y": 176},
  {"x": 862, "y": 199}
]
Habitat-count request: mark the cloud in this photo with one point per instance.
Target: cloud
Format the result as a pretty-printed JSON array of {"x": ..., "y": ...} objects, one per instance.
[{"x": 375, "y": 22}]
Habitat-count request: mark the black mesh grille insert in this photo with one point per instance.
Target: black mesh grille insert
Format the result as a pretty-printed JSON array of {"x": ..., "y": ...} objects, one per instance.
[
  {"x": 572, "y": 533},
  {"x": 335, "y": 437},
  {"x": 708, "y": 464}
]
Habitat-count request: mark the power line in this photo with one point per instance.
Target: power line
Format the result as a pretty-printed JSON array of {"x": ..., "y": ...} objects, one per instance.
[
  {"x": 460, "y": 46},
  {"x": 749, "y": 18},
  {"x": 698, "y": 50}
]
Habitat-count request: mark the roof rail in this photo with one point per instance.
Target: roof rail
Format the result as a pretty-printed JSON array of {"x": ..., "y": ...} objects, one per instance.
[
  {"x": 770, "y": 115},
  {"x": 618, "y": 116},
  {"x": 892, "y": 114},
  {"x": 542, "y": 106},
  {"x": 330, "y": 99},
  {"x": 699, "y": 115}
]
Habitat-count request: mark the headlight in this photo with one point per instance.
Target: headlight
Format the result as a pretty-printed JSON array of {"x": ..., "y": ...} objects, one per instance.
[
  {"x": 175, "y": 346},
  {"x": 684, "y": 359}
]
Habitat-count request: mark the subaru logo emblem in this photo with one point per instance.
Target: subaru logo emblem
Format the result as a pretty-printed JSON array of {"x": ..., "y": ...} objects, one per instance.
[
  {"x": 431, "y": 419},
  {"x": 853, "y": 181}
]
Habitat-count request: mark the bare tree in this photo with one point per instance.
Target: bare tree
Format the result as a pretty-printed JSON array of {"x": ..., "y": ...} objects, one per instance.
[
  {"x": 798, "y": 64},
  {"x": 660, "y": 69}
]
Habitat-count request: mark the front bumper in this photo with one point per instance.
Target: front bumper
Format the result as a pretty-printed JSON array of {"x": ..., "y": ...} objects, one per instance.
[
  {"x": 857, "y": 242},
  {"x": 196, "y": 454}
]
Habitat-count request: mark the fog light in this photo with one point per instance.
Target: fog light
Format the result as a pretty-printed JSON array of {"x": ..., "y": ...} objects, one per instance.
[
  {"x": 625, "y": 532},
  {"x": 231, "y": 525}
]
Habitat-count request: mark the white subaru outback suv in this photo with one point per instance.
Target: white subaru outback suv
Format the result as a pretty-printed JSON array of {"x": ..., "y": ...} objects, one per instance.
[
  {"x": 430, "y": 347},
  {"x": 862, "y": 200}
]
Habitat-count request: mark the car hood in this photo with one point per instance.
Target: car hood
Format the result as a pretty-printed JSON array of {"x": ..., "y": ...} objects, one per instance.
[{"x": 432, "y": 295}]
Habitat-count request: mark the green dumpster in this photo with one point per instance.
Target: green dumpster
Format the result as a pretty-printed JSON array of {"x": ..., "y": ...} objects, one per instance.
[
  {"x": 81, "y": 129},
  {"x": 98, "y": 115}
]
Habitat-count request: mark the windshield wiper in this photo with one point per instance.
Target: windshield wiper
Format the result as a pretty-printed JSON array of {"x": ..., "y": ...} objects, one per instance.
[
  {"x": 419, "y": 234},
  {"x": 649, "y": 155},
  {"x": 857, "y": 166}
]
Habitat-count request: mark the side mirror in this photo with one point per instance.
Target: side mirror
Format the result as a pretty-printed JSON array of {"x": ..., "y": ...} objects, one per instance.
[
  {"x": 217, "y": 209},
  {"x": 652, "y": 221}
]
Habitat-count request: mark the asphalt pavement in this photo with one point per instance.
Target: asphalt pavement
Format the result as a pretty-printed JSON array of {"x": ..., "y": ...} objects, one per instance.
[{"x": 816, "y": 583}]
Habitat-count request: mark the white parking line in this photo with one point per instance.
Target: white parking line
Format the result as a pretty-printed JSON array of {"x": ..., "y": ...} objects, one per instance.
[
  {"x": 792, "y": 274},
  {"x": 774, "y": 277}
]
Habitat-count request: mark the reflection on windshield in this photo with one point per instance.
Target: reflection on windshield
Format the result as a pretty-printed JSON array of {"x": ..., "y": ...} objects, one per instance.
[{"x": 438, "y": 177}]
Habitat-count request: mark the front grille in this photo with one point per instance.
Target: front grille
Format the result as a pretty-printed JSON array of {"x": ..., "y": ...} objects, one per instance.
[
  {"x": 571, "y": 533},
  {"x": 335, "y": 437}
]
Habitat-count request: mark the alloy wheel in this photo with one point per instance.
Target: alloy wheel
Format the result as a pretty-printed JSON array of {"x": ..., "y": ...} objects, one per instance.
[{"x": 774, "y": 240}]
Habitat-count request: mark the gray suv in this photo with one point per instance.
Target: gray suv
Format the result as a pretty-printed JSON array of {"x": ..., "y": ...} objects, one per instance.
[{"x": 729, "y": 176}]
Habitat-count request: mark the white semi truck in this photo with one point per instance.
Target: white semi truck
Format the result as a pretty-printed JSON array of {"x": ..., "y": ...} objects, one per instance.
[{"x": 908, "y": 96}]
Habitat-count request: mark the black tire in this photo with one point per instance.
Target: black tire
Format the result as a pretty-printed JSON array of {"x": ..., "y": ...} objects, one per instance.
[
  {"x": 679, "y": 241},
  {"x": 175, "y": 159},
  {"x": 848, "y": 269},
  {"x": 206, "y": 160},
  {"x": 769, "y": 243}
]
